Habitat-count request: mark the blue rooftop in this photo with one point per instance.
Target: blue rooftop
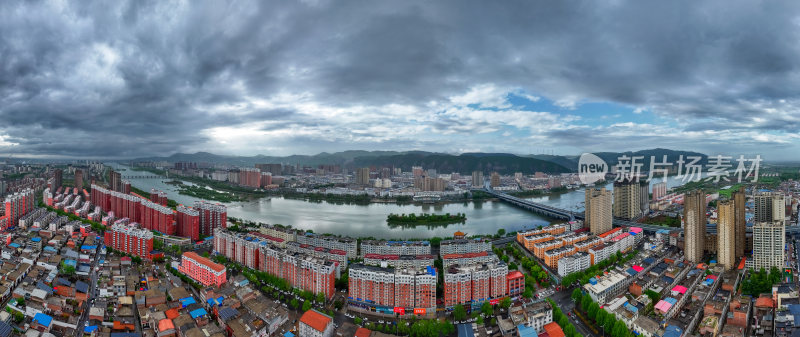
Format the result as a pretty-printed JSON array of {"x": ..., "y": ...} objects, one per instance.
[
  {"x": 794, "y": 309},
  {"x": 82, "y": 287},
  {"x": 90, "y": 329},
  {"x": 186, "y": 301},
  {"x": 673, "y": 331},
  {"x": 88, "y": 247},
  {"x": 228, "y": 313},
  {"x": 36, "y": 239},
  {"x": 14, "y": 245},
  {"x": 465, "y": 330},
  {"x": 42, "y": 319},
  {"x": 431, "y": 270},
  {"x": 288, "y": 334},
  {"x": 526, "y": 331},
  {"x": 198, "y": 313}
]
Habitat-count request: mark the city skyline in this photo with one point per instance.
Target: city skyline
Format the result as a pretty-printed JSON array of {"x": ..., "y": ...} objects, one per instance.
[{"x": 126, "y": 80}]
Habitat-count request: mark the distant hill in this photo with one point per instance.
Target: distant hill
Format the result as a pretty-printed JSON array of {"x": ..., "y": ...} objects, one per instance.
[
  {"x": 504, "y": 163},
  {"x": 466, "y": 163}
]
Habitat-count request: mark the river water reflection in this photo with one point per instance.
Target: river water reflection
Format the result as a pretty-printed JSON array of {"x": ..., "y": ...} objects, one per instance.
[{"x": 370, "y": 220}]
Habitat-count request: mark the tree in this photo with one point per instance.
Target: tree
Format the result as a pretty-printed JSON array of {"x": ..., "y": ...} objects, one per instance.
[
  {"x": 68, "y": 270},
  {"x": 501, "y": 232},
  {"x": 577, "y": 294},
  {"x": 608, "y": 324},
  {"x": 505, "y": 303},
  {"x": 459, "y": 313},
  {"x": 479, "y": 321},
  {"x": 528, "y": 293},
  {"x": 321, "y": 297},
  {"x": 601, "y": 317},
  {"x": 569, "y": 331},
  {"x": 486, "y": 309},
  {"x": 306, "y": 306},
  {"x": 562, "y": 320},
  {"x": 593, "y": 310},
  {"x": 357, "y": 320},
  {"x": 620, "y": 330},
  {"x": 585, "y": 302},
  {"x": 293, "y": 303}
]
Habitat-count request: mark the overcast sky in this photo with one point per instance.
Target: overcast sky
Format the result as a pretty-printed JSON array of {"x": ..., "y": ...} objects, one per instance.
[{"x": 128, "y": 79}]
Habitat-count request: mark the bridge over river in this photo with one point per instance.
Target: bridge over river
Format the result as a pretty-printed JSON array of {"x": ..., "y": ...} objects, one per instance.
[{"x": 563, "y": 214}]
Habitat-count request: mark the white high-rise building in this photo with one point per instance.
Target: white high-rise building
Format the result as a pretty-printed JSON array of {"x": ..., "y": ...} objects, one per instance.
[
  {"x": 769, "y": 239},
  {"x": 770, "y": 206}
]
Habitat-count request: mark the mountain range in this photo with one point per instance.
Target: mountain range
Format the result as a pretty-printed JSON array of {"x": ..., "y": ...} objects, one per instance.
[{"x": 504, "y": 163}]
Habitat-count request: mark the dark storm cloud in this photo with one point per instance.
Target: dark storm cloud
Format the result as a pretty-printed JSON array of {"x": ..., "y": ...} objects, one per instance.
[{"x": 123, "y": 79}]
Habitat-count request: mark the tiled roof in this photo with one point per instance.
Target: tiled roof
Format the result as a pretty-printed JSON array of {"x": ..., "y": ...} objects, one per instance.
[
  {"x": 204, "y": 261},
  {"x": 553, "y": 330},
  {"x": 315, "y": 320}
]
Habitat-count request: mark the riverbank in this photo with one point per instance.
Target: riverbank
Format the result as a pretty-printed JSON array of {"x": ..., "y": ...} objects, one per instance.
[{"x": 226, "y": 192}]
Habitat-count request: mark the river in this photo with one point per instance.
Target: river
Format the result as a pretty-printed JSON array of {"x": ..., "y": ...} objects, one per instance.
[
  {"x": 370, "y": 220},
  {"x": 360, "y": 220}
]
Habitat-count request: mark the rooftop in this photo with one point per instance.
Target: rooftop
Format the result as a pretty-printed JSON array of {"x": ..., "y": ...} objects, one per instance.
[
  {"x": 204, "y": 261},
  {"x": 316, "y": 320}
]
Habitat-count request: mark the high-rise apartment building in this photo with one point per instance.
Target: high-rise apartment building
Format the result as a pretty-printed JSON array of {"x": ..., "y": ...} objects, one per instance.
[
  {"x": 374, "y": 287},
  {"x": 644, "y": 196},
  {"x": 659, "y": 190},
  {"x": 16, "y": 206},
  {"x": 598, "y": 210},
  {"x": 150, "y": 215},
  {"x": 627, "y": 199},
  {"x": 346, "y": 244},
  {"x": 58, "y": 175},
  {"x": 302, "y": 271},
  {"x": 694, "y": 225},
  {"x": 417, "y": 171},
  {"x": 477, "y": 179},
  {"x": 464, "y": 246},
  {"x": 769, "y": 239},
  {"x": 770, "y": 206},
  {"x": 250, "y": 177},
  {"x": 726, "y": 234},
  {"x": 275, "y": 169},
  {"x": 433, "y": 184},
  {"x": 383, "y": 247},
  {"x": 474, "y": 284},
  {"x": 115, "y": 181},
  {"x": 202, "y": 269},
  {"x": 362, "y": 176},
  {"x": 130, "y": 238},
  {"x": 187, "y": 222},
  {"x": 495, "y": 179},
  {"x": 212, "y": 216},
  {"x": 741, "y": 223},
  {"x": 78, "y": 179}
]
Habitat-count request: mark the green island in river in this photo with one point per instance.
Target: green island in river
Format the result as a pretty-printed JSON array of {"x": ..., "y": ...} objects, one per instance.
[{"x": 412, "y": 219}]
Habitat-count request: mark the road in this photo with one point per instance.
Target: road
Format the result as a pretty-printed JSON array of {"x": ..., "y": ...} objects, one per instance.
[{"x": 90, "y": 296}]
